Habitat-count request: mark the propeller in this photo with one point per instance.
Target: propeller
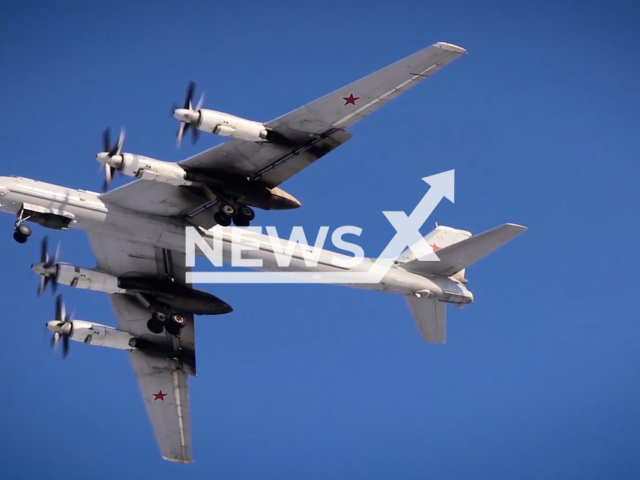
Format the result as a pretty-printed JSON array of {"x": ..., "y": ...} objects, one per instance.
[
  {"x": 61, "y": 326},
  {"x": 109, "y": 152},
  {"x": 189, "y": 117},
  {"x": 47, "y": 267}
]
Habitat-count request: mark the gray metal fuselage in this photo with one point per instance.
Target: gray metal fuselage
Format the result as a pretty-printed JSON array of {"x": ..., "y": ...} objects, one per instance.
[{"x": 91, "y": 214}]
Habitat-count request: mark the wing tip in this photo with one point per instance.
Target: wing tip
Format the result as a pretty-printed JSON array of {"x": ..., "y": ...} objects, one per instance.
[
  {"x": 515, "y": 226},
  {"x": 451, "y": 47},
  {"x": 177, "y": 460}
]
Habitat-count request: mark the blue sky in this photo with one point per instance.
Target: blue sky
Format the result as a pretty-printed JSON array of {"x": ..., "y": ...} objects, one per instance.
[{"x": 539, "y": 377}]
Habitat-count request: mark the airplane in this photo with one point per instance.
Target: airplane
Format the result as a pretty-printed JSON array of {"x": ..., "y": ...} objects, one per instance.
[
  {"x": 141, "y": 265},
  {"x": 137, "y": 234}
]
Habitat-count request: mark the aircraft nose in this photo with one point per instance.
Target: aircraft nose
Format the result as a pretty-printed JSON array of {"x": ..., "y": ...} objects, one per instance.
[{"x": 4, "y": 184}]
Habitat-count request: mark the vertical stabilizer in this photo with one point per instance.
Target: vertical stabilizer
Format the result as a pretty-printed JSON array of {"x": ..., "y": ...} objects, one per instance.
[{"x": 439, "y": 238}]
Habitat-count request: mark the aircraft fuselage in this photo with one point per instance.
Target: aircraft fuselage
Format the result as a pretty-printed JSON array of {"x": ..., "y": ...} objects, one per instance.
[{"x": 85, "y": 210}]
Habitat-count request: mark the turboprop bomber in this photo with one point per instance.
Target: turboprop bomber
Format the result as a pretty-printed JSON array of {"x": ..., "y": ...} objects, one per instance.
[
  {"x": 138, "y": 232},
  {"x": 142, "y": 266}
]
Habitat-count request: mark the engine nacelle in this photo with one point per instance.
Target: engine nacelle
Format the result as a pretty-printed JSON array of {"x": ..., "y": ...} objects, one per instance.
[
  {"x": 231, "y": 126},
  {"x": 87, "y": 279},
  {"x": 147, "y": 168},
  {"x": 101, "y": 335}
]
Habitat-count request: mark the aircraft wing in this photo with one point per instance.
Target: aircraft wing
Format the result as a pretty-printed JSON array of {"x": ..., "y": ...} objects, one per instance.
[
  {"x": 311, "y": 132},
  {"x": 165, "y": 392},
  {"x": 318, "y": 127},
  {"x": 163, "y": 381},
  {"x": 347, "y": 105},
  {"x": 156, "y": 198}
]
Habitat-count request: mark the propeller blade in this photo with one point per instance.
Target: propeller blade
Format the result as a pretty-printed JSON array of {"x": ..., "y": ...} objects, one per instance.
[
  {"x": 43, "y": 284},
  {"x": 44, "y": 247},
  {"x": 49, "y": 262},
  {"x": 181, "y": 129},
  {"x": 106, "y": 140},
  {"x": 200, "y": 102},
  {"x": 191, "y": 88},
  {"x": 49, "y": 272},
  {"x": 195, "y": 135},
  {"x": 54, "y": 339},
  {"x": 56, "y": 255},
  {"x": 108, "y": 174},
  {"x": 65, "y": 347},
  {"x": 60, "y": 313},
  {"x": 113, "y": 150},
  {"x": 120, "y": 141}
]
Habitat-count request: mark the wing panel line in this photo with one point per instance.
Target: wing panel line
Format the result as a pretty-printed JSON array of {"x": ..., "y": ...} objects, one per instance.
[{"x": 176, "y": 387}]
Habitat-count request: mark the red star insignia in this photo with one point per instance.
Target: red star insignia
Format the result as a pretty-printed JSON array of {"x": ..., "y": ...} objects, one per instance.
[
  {"x": 350, "y": 100},
  {"x": 159, "y": 396},
  {"x": 435, "y": 247}
]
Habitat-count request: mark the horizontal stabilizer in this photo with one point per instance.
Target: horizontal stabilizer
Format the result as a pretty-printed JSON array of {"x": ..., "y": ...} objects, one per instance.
[
  {"x": 459, "y": 256},
  {"x": 430, "y": 316}
]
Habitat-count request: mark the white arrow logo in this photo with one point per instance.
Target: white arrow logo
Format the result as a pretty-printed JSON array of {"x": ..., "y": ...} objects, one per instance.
[{"x": 407, "y": 235}]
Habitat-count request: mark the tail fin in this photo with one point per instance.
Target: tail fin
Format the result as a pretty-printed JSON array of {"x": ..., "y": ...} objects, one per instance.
[
  {"x": 430, "y": 316},
  {"x": 438, "y": 239},
  {"x": 457, "y": 256}
]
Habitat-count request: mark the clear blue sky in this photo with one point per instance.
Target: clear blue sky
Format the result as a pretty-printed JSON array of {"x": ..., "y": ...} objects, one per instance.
[{"x": 539, "y": 378}]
